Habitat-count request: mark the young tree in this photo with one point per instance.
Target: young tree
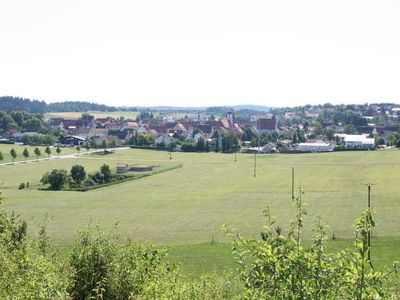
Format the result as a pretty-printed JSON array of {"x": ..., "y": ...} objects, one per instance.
[
  {"x": 37, "y": 153},
  {"x": 113, "y": 144},
  {"x": 13, "y": 155},
  {"x": 58, "y": 150},
  {"x": 1, "y": 156},
  {"x": 78, "y": 149},
  {"x": 48, "y": 151},
  {"x": 87, "y": 147},
  {"x": 78, "y": 173},
  {"x": 106, "y": 171},
  {"x": 104, "y": 144},
  {"x": 25, "y": 153}
]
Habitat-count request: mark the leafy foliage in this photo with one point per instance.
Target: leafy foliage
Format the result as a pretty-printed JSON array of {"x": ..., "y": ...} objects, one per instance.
[
  {"x": 280, "y": 267},
  {"x": 56, "y": 178},
  {"x": 78, "y": 173}
]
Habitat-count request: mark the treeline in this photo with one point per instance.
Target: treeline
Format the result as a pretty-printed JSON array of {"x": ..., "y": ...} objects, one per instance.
[
  {"x": 9, "y": 104},
  {"x": 23, "y": 121}
]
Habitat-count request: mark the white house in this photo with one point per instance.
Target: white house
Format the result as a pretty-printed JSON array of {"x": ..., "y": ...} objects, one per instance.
[
  {"x": 314, "y": 147},
  {"x": 358, "y": 141}
]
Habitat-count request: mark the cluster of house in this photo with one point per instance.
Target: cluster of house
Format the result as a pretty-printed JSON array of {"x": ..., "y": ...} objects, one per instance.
[{"x": 76, "y": 132}]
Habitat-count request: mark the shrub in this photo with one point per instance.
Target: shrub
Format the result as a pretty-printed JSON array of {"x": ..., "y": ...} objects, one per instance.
[
  {"x": 21, "y": 186},
  {"x": 280, "y": 267},
  {"x": 56, "y": 178},
  {"x": 24, "y": 272},
  {"x": 106, "y": 171}
]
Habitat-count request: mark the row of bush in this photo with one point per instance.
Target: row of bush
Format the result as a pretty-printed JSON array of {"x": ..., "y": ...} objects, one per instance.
[{"x": 58, "y": 178}]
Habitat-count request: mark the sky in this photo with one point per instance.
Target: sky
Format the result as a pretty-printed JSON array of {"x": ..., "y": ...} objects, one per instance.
[{"x": 201, "y": 53}]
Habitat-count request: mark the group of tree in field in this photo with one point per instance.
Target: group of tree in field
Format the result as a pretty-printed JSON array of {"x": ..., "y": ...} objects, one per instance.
[
  {"x": 58, "y": 179},
  {"x": 273, "y": 266}
]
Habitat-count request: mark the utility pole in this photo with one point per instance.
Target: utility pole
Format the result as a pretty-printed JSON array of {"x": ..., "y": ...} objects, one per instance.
[
  {"x": 255, "y": 164},
  {"x": 258, "y": 149},
  {"x": 292, "y": 183},
  {"x": 369, "y": 208}
]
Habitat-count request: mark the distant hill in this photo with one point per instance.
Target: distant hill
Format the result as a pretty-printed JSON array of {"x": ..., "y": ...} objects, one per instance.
[
  {"x": 259, "y": 108},
  {"x": 9, "y": 103}
]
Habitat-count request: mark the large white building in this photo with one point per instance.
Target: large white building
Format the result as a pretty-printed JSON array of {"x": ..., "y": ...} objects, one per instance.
[
  {"x": 358, "y": 141},
  {"x": 314, "y": 147}
]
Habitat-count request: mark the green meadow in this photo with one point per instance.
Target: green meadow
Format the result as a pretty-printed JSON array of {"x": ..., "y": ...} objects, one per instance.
[{"x": 186, "y": 207}]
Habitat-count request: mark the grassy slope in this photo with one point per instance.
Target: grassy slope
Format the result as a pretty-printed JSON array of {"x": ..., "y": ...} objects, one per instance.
[{"x": 188, "y": 205}]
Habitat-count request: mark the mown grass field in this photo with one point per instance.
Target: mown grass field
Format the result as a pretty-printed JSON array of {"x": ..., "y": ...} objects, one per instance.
[{"x": 186, "y": 207}]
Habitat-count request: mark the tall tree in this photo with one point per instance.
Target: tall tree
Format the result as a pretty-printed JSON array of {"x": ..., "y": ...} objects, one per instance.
[
  {"x": 87, "y": 147},
  {"x": 37, "y": 153},
  {"x": 48, "y": 151},
  {"x": 78, "y": 173},
  {"x": 13, "y": 154},
  {"x": 25, "y": 153},
  {"x": 58, "y": 150}
]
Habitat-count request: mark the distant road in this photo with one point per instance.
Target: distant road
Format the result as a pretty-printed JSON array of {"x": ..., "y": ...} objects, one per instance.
[{"x": 73, "y": 155}]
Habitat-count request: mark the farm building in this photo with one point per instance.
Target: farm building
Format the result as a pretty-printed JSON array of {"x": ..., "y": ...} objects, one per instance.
[{"x": 314, "y": 147}]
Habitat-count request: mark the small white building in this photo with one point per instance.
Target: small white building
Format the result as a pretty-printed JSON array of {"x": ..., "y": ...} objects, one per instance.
[
  {"x": 314, "y": 147},
  {"x": 358, "y": 141},
  {"x": 122, "y": 168}
]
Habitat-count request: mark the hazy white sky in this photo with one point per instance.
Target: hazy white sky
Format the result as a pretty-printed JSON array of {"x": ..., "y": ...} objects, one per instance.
[{"x": 201, "y": 53}]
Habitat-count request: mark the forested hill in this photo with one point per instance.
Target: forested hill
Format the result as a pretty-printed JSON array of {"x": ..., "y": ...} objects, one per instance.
[{"x": 9, "y": 104}]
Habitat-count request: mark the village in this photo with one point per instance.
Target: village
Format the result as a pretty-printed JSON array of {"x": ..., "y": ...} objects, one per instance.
[{"x": 320, "y": 128}]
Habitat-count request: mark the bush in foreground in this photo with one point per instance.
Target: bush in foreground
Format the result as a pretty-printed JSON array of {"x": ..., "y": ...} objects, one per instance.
[{"x": 280, "y": 267}]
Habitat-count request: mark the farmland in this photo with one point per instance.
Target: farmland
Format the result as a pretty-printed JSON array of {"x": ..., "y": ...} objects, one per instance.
[
  {"x": 187, "y": 206},
  {"x": 97, "y": 114}
]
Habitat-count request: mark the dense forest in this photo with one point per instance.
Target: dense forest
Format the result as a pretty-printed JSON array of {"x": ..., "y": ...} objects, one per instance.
[{"x": 9, "y": 104}]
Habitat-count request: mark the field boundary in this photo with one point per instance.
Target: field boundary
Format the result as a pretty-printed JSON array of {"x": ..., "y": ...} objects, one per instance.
[{"x": 128, "y": 178}]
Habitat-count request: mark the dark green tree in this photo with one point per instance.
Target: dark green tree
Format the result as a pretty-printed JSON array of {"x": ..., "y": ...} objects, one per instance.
[
  {"x": 56, "y": 178},
  {"x": 58, "y": 150},
  {"x": 13, "y": 155},
  {"x": 106, "y": 171},
  {"x": 25, "y": 153},
  {"x": 78, "y": 173},
  {"x": 38, "y": 153},
  {"x": 47, "y": 151}
]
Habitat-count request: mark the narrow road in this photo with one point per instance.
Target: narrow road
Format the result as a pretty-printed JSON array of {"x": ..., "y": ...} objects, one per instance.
[{"x": 72, "y": 155}]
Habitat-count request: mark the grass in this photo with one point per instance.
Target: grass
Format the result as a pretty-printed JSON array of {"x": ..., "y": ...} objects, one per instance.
[
  {"x": 186, "y": 207},
  {"x": 6, "y": 148},
  {"x": 217, "y": 258}
]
